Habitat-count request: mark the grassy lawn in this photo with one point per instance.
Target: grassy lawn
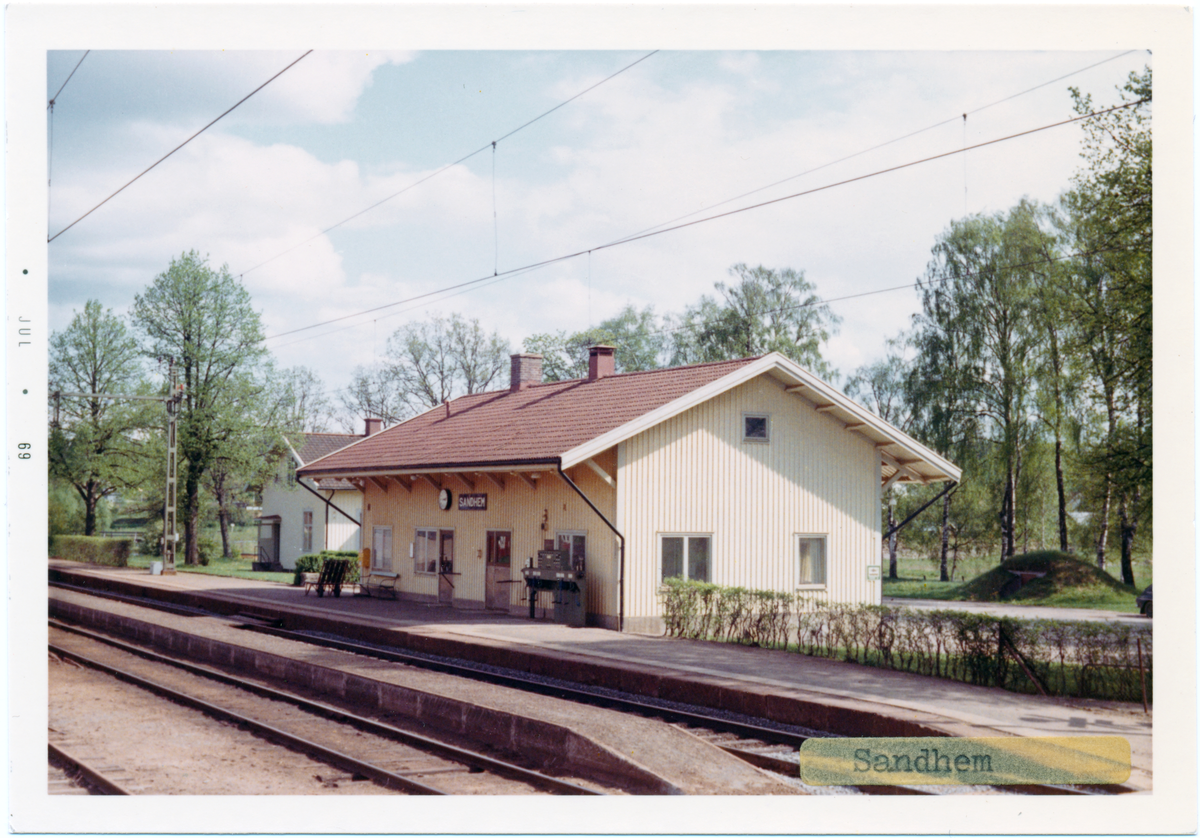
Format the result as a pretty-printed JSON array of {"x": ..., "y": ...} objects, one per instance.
[
  {"x": 220, "y": 567},
  {"x": 1070, "y": 583}
]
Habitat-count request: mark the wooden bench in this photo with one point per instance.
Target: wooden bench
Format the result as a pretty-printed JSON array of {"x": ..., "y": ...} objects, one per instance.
[
  {"x": 376, "y": 584},
  {"x": 333, "y": 572}
]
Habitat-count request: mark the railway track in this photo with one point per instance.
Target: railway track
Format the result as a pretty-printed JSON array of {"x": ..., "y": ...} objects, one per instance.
[
  {"x": 771, "y": 748},
  {"x": 387, "y": 755},
  {"x": 71, "y": 774}
]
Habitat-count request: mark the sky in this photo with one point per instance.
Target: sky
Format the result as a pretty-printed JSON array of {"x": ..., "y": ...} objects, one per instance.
[{"x": 675, "y": 136}]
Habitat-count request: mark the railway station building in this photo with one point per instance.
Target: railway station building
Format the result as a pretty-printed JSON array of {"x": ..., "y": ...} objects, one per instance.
[{"x": 751, "y": 472}]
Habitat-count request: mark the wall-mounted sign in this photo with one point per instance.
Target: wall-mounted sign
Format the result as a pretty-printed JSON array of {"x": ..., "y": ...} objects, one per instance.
[
  {"x": 874, "y": 572},
  {"x": 444, "y": 498},
  {"x": 472, "y": 502}
]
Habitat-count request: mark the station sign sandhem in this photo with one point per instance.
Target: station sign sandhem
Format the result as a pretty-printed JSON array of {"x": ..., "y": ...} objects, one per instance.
[
  {"x": 472, "y": 502},
  {"x": 935, "y": 760}
]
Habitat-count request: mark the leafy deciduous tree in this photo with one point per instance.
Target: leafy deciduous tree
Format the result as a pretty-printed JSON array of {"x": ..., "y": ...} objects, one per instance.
[{"x": 203, "y": 319}]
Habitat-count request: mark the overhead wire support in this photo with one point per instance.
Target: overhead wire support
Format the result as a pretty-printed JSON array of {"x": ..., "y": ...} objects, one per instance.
[
  {"x": 727, "y": 214},
  {"x": 50, "y": 152},
  {"x": 181, "y": 145},
  {"x": 54, "y": 98},
  {"x": 447, "y": 166}
]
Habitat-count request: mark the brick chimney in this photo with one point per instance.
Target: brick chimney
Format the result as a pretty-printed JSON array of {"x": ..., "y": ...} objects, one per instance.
[
  {"x": 526, "y": 371},
  {"x": 600, "y": 362},
  {"x": 374, "y": 426}
]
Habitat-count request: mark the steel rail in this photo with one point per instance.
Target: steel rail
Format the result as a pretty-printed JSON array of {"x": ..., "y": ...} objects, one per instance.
[
  {"x": 442, "y": 749},
  {"x": 261, "y": 729},
  {"x": 90, "y": 775},
  {"x": 741, "y": 729}
]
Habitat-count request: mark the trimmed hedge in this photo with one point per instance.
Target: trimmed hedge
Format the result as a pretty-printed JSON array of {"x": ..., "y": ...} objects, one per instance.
[
  {"x": 1068, "y": 658},
  {"x": 312, "y": 562},
  {"x": 113, "y": 552}
]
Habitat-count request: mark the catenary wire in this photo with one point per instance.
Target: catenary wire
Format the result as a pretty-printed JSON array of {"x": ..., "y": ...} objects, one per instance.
[
  {"x": 930, "y": 280},
  {"x": 54, "y": 98},
  {"x": 439, "y": 171},
  {"x": 181, "y": 145},
  {"x": 875, "y": 147},
  {"x": 566, "y": 257},
  {"x": 50, "y": 152},
  {"x": 460, "y": 292}
]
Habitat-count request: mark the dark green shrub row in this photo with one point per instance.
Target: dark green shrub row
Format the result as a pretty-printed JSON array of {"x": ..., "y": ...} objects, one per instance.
[
  {"x": 738, "y": 615},
  {"x": 1092, "y": 660},
  {"x": 312, "y": 562},
  {"x": 85, "y": 548}
]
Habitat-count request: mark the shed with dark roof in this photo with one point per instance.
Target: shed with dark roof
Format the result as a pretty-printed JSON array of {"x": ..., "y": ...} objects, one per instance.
[{"x": 751, "y": 472}]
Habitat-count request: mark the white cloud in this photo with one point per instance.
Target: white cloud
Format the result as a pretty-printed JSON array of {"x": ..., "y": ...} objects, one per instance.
[{"x": 325, "y": 87}]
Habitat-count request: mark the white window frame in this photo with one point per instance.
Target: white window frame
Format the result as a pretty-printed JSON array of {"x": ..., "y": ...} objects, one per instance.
[
  {"x": 571, "y": 534},
  {"x": 824, "y": 538},
  {"x": 766, "y": 417},
  {"x": 437, "y": 543},
  {"x": 377, "y": 565},
  {"x": 685, "y": 536}
]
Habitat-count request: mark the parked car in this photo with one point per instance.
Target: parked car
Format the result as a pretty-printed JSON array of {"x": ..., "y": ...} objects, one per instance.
[{"x": 1145, "y": 602}]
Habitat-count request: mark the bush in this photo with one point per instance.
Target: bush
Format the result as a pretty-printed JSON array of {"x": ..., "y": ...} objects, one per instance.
[
  {"x": 208, "y": 549},
  {"x": 1067, "y": 658},
  {"x": 113, "y": 552},
  {"x": 312, "y": 562}
]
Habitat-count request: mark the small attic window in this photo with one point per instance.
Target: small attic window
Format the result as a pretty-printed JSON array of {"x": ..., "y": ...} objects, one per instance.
[{"x": 756, "y": 427}]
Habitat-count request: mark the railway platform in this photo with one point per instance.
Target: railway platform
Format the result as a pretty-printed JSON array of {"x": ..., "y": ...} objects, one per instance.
[{"x": 834, "y": 696}]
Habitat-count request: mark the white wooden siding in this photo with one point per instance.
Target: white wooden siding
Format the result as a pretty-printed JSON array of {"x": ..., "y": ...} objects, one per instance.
[
  {"x": 343, "y": 533},
  {"x": 694, "y": 473}
]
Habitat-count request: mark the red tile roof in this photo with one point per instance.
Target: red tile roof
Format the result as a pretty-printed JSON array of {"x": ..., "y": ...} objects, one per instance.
[
  {"x": 317, "y": 445},
  {"x": 534, "y": 425}
]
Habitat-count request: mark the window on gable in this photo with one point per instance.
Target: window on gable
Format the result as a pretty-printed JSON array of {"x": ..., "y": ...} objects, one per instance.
[
  {"x": 686, "y": 556},
  {"x": 308, "y": 531},
  {"x": 811, "y": 560},
  {"x": 756, "y": 427}
]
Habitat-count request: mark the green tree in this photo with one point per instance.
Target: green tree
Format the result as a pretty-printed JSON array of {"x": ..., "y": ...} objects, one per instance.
[
  {"x": 299, "y": 401},
  {"x": 95, "y": 442},
  {"x": 880, "y": 388},
  {"x": 243, "y": 462},
  {"x": 637, "y": 336},
  {"x": 202, "y": 318},
  {"x": 1111, "y": 210},
  {"x": 443, "y": 358},
  {"x": 765, "y": 310},
  {"x": 980, "y": 294},
  {"x": 426, "y": 363},
  {"x": 371, "y": 392}
]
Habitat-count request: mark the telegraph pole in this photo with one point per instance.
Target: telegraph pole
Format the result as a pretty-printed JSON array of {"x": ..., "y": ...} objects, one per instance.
[
  {"x": 171, "y": 400},
  {"x": 170, "y": 536}
]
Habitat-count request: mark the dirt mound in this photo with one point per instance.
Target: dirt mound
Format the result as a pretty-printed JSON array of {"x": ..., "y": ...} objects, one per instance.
[{"x": 1062, "y": 573}]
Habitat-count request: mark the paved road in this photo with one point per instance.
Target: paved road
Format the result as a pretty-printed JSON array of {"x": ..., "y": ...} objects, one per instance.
[{"x": 1029, "y": 612}]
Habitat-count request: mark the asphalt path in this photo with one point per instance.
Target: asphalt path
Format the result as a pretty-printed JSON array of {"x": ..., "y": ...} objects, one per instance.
[{"x": 1028, "y": 612}]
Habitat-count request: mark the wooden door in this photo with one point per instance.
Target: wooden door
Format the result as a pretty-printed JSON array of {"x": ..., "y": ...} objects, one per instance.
[
  {"x": 499, "y": 562},
  {"x": 446, "y": 574}
]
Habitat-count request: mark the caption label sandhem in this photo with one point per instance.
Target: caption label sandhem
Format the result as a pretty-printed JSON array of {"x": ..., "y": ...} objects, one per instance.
[{"x": 932, "y": 760}]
